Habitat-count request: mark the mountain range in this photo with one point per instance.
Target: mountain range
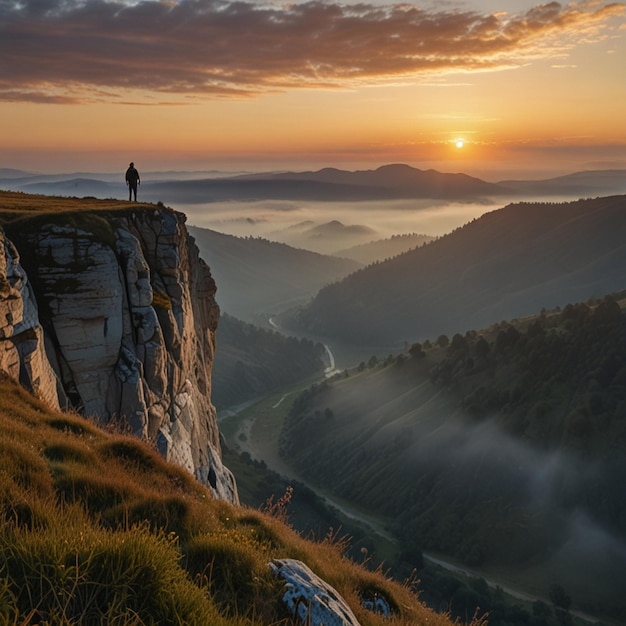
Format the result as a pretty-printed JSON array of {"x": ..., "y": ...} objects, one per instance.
[
  {"x": 450, "y": 440},
  {"x": 126, "y": 514},
  {"x": 328, "y": 184}
]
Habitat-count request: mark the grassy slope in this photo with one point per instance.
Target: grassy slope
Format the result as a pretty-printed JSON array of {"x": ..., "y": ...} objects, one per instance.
[{"x": 95, "y": 527}]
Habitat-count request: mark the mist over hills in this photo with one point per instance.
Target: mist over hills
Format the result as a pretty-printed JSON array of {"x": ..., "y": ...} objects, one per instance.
[
  {"x": 327, "y": 237},
  {"x": 502, "y": 447},
  {"x": 257, "y": 276},
  {"x": 507, "y": 263}
]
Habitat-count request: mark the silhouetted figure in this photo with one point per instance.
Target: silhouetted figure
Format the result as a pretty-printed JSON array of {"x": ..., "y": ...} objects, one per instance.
[{"x": 132, "y": 180}]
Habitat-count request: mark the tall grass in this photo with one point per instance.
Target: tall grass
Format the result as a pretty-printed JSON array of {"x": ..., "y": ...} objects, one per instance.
[
  {"x": 96, "y": 528},
  {"x": 72, "y": 572}
]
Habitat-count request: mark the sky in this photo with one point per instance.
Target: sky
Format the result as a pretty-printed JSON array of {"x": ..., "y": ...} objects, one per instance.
[{"x": 493, "y": 89}]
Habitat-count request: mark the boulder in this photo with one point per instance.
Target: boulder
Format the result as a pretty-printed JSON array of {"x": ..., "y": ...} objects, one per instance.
[{"x": 309, "y": 598}]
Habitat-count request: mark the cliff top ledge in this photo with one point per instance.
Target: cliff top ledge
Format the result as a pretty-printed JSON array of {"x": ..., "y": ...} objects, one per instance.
[{"x": 17, "y": 206}]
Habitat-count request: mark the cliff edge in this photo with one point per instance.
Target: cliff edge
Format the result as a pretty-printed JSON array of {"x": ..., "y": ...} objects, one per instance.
[{"x": 110, "y": 311}]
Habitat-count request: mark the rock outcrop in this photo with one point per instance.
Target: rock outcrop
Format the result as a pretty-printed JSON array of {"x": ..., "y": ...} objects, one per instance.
[
  {"x": 312, "y": 601},
  {"x": 309, "y": 598},
  {"x": 22, "y": 353},
  {"x": 129, "y": 317}
]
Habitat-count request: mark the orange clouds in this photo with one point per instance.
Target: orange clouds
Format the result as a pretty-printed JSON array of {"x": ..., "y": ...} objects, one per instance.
[{"x": 67, "y": 51}]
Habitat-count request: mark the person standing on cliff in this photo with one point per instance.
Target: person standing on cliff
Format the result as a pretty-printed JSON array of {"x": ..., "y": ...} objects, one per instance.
[{"x": 132, "y": 180}]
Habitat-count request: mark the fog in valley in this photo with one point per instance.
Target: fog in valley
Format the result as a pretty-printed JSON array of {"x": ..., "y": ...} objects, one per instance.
[
  {"x": 416, "y": 436},
  {"x": 295, "y": 222}
]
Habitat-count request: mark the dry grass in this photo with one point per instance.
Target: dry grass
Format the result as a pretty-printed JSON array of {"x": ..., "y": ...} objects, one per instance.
[
  {"x": 95, "y": 527},
  {"x": 16, "y": 205}
]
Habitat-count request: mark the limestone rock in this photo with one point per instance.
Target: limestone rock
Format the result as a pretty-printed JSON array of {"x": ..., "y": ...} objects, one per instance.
[
  {"x": 309, "y": 598},
  {"x": 22, "y": 347},
  {"x": 130, "y": 319}
]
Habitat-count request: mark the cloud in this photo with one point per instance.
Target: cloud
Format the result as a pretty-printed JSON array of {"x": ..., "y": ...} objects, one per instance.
[{"x": 70, "y": 50}]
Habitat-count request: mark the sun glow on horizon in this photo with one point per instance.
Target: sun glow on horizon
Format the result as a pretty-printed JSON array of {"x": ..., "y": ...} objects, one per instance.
[{"x": 459, "y": 143}]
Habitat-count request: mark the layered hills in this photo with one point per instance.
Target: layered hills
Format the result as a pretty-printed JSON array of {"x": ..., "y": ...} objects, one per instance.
[
  {"x": 503, "y": 449},
  {"x": 386, "y": 182},
  {"x": 256, "y": 276},
  {"x": 507, "y": 263},
  {"x": 329, "y": 184}
]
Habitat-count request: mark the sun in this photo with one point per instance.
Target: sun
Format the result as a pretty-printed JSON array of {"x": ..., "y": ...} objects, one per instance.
[{"x": 459, "y": 143}]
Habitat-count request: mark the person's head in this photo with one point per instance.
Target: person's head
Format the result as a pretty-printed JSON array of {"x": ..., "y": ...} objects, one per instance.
[{"x": 132, "y": 164}]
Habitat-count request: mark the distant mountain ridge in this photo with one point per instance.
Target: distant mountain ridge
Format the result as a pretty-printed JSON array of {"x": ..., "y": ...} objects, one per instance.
[
  {"x": 393, "y": 181},
  {"x": 386, "y": 182},
  {"x": 602, "y": 182},
  {"x": 390, "y": 181},
  {"x": 507, "y": 263}
]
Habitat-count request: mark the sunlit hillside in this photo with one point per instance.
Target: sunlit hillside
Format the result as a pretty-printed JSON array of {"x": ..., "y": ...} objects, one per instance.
[
  {"x": 503, "y": 449},
  {"x": 96, "y": 528}
]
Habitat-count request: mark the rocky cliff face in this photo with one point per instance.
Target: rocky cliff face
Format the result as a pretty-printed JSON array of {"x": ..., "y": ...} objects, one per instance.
[{"x": 127, "y": 310}]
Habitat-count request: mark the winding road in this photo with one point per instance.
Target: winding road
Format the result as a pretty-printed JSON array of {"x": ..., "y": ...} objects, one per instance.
[
  {"x": 266, "y": 449},
  {"x": 269, "y": 454}
]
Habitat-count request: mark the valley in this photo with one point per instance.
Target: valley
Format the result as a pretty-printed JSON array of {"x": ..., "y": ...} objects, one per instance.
[
  {"x": 404, "y": 412},
  {"x": 455, "y": 398},
  {"x": 255, "y": 429}
]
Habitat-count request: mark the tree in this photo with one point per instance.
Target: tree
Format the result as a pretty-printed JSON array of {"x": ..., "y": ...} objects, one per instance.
[
  {"x": 416, "y": 350},
  {"x": 559, "y": 597},
  {"x": 442, "y": 341}
]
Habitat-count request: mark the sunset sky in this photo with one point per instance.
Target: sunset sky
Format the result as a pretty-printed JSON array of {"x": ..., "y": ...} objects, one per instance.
[{"x": 485, "y": 87}]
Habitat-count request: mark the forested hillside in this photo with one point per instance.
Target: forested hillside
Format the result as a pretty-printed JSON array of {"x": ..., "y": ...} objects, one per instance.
[
  {"x": 504, "y": 448},
  {"x": 257, "y": 276},
  {"x": 250, "y": 361},
  {"x": 382, "y": 249},
  {"x": 509, "y": 262}
]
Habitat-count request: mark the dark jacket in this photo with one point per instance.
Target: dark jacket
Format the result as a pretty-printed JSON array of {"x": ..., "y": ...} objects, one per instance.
[{"x": 132, "y": 176}]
